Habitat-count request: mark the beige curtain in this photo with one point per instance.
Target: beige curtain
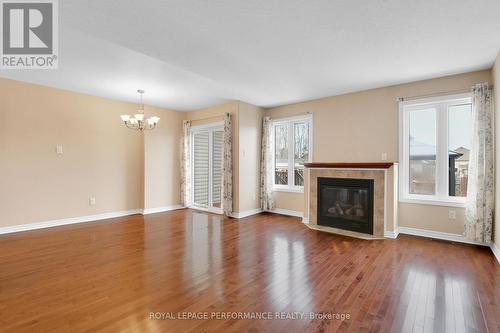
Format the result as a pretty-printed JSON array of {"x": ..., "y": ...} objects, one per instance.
[
  {"x": 227, "y": 167},
  {"x": 266, "y": 166},
  {"x": 481, "y": 180},
  {"x": 185, "y": 164}
]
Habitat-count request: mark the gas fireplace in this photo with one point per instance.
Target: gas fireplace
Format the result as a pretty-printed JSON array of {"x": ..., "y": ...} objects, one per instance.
[{"x": 346, "y": 203}]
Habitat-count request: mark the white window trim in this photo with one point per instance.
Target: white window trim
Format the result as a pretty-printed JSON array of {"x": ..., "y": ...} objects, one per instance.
[
  {"x": 289, "y": 121},
  {"x": 441, "y": 198},
  {"x": 211, "y": 127}
]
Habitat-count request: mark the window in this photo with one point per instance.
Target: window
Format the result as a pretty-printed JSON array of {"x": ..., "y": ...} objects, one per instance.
[
  {"x": 435, "y": 140},
  {"x": 292, "y": 147}
]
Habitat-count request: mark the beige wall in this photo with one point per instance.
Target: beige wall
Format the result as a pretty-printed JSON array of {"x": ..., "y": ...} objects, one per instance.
[
  {"x": 121, "y": 168},
  {"x": 361, "y": 126},
  {"x": 250, "y": 133},
  {"x": 162, "y": 159},
  {"x": 290, "y": 201},
  {"x": 101, "y": 157},
  {"x": 496, "y": 81},
  {"x": 430, "y": 217}
]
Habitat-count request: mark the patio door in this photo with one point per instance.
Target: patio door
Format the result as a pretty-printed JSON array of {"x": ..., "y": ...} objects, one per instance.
[{"x": 206, "y": 164}]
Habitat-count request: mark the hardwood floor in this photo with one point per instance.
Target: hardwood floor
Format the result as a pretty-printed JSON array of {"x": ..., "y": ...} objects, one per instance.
[{"x": 113, "y": 275}]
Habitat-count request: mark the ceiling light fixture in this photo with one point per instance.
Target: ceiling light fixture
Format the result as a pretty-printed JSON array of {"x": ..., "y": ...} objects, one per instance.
[{"x": 137, "y": 121}]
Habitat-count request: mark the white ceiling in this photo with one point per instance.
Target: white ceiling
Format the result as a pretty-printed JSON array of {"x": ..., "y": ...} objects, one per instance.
[{"x": 189, "y": 54}]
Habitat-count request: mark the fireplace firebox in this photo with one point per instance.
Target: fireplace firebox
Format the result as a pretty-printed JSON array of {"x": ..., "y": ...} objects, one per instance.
[{"x": 346, "y": 204}]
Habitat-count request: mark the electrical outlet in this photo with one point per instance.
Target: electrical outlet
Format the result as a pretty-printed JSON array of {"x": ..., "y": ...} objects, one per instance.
[
  {"x": 91, "y": 201},
  {"x": 383, "y": 156},
  {"x": 59, "y": 150},
  {"x": 452, "y": 214}
]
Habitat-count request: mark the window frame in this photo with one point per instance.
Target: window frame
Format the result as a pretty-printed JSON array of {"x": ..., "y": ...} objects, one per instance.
[
  {"x": 290, "y": 122},
  {"x": 442, "y": 103}
]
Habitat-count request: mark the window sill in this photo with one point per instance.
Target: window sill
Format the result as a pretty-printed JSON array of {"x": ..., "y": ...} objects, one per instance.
[
  {"x": 434, "y": 202},
  {"x": 289, "y": 189}
]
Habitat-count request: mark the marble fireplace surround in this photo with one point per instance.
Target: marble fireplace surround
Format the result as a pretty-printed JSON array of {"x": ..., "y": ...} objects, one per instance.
[{"x": 384, "y": 176}]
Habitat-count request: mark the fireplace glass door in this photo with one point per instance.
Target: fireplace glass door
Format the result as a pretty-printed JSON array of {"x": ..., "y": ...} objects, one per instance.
[{"x": 346, "y": 204}]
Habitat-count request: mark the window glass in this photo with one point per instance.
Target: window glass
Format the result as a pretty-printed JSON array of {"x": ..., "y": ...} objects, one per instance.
[
  {"x": 422, "y": 151},
  {"x": 459, "y": 144},
  {"x": 281, "y": 154},
  {"x": 291, "y": 151},
  {"x": 301, "y": 151}
]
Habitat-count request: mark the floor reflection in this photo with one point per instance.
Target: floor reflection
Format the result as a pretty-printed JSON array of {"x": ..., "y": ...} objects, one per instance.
[
  {"x": 203, "y": 251},
  {"x": 437, "y": 302},
  {"x": 419, "y": 294},
  {"x": 290, "y": 281}
]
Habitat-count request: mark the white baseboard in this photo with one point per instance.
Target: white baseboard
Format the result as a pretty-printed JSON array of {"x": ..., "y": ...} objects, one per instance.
[
  {"x": 286, "y": 212},
  {"x": 280, "y": 211},
  {"x": 161, "y": 209},
  {"x": 496, "y": 251},
  {"x": 391, "y": 234},
  {"x": 71, "y": 220},
  {"x": 438, "y": 235},
  {"x": 305, "y": 220},
  {"x": 240, "y": 215},
  {"x": 274, "y": 210}
]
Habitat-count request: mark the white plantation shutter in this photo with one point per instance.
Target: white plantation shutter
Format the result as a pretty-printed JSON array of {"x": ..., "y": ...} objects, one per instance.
[
  {"x": 207, "y": 158},
  {"x": 200, "y": 168}
]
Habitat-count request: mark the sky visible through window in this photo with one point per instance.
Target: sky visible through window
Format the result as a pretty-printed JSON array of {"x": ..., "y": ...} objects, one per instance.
[
  {"x": 460, "y": 128},
  {"x": 422, "y": 127}
]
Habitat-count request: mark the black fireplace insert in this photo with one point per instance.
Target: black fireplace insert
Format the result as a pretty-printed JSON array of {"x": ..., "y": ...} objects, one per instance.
[{"x": 346, "y": 203}]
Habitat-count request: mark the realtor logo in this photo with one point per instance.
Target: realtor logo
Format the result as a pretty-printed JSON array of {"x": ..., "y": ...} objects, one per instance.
[{"x": 29, "y": 34}]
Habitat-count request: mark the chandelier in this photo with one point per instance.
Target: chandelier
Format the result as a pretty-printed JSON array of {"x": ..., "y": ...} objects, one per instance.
[{"x": 137, "y": 121}]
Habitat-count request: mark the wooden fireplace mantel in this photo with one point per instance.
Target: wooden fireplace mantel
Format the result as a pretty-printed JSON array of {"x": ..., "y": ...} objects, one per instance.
[{"x": 355, "y": 165}]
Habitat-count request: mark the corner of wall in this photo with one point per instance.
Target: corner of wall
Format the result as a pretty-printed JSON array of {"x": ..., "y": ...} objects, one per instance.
[
  {"x": 161, "y": 175},
  {"x": 248, "y": 156}
]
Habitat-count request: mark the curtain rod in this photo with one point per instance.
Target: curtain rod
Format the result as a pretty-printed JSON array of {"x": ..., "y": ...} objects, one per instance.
[
  {"x": 207, "y": 118},
  {"x": 293, "y": 115},
  {"x": 461, "y": 91}
]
